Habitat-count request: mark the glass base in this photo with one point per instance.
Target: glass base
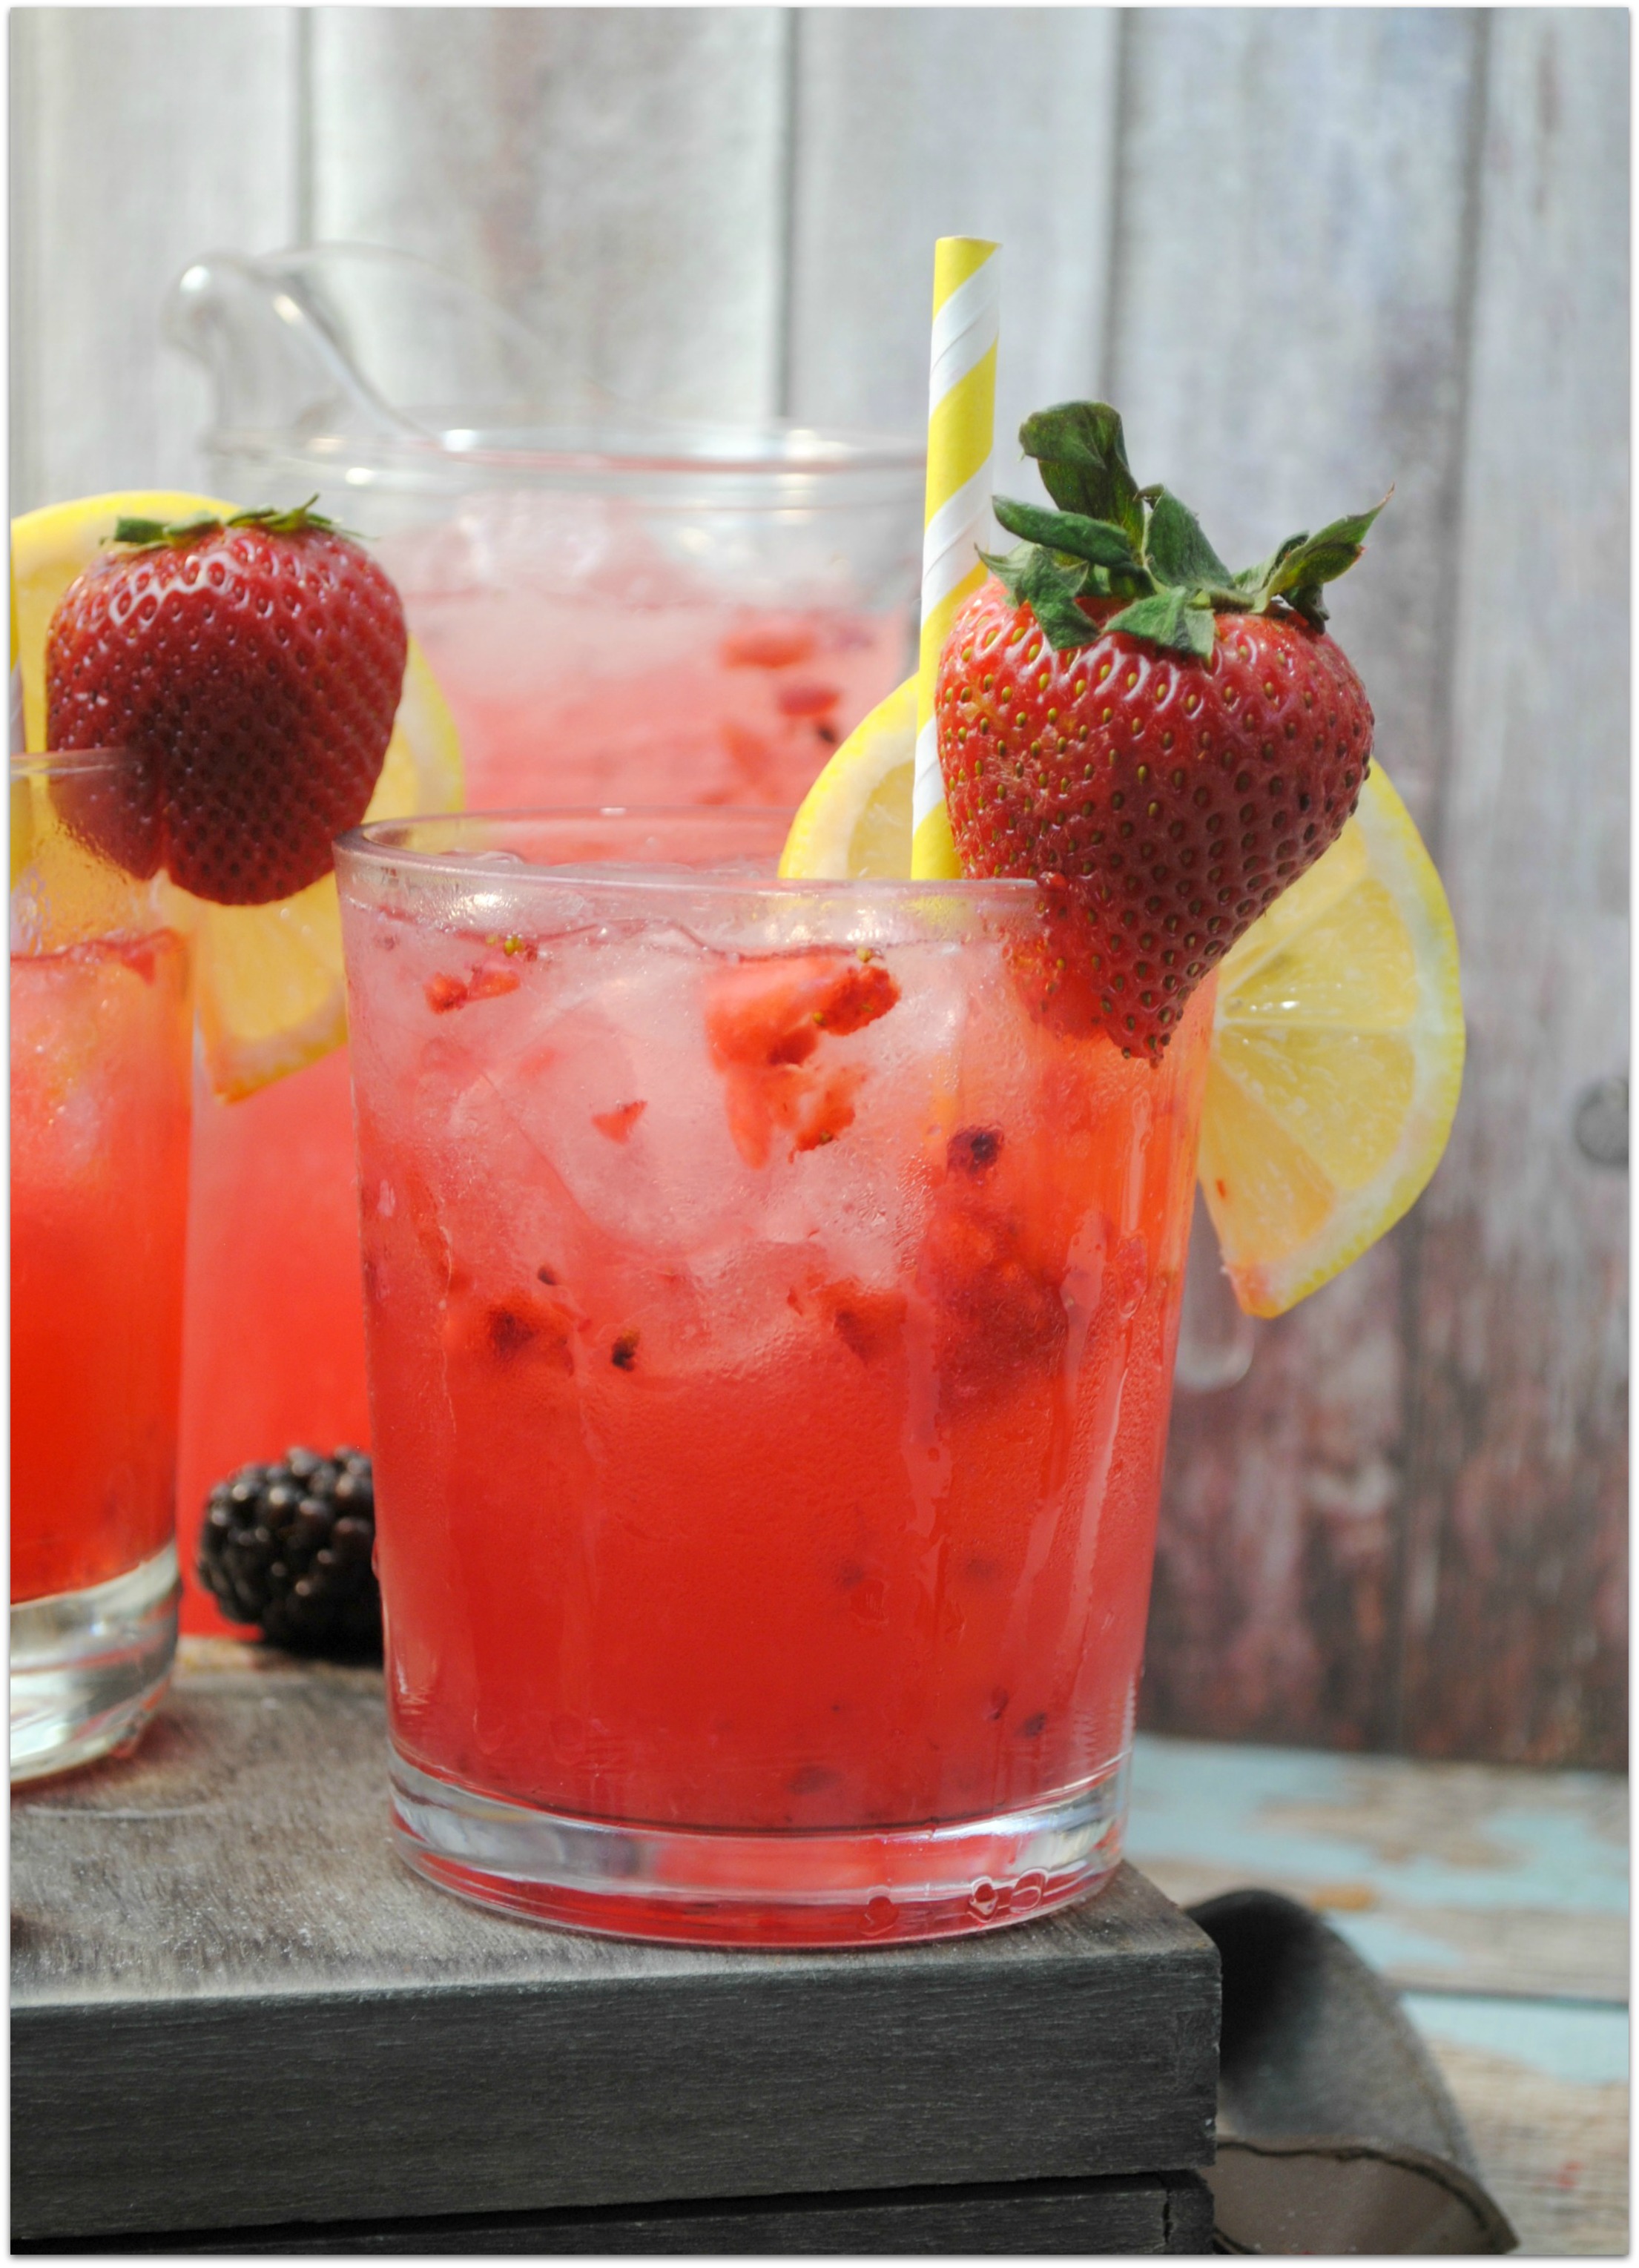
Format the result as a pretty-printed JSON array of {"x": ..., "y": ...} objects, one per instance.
[
  {"x": 90, "y": 1667},
  {"x": 716, "y": 1886}
]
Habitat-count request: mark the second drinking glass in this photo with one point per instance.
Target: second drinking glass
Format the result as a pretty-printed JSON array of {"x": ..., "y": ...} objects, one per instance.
[{"x": 101, "y": 1051}]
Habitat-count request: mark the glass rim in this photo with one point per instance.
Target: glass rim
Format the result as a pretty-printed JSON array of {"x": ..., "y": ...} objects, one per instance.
[
  {"x": 370, "y": 846},
  {"x": 55, "y": 763},
  {"x": 595, "y": 448}
]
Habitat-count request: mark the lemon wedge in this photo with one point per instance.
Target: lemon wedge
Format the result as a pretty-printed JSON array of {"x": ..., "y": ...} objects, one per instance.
[
  {"x": 1337, "y": 1051},
  {"x": 1337, "y": 1058},
  {"x": 854, "y": 823},
  {"x": 270, "y": 982}
]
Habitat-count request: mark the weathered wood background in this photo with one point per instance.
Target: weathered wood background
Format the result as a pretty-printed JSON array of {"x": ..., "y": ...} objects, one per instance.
[{"x": 1309, "y": 253}]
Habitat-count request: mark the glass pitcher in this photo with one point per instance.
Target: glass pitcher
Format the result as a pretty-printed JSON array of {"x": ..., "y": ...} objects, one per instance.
[{"x": 620, "y": 607}]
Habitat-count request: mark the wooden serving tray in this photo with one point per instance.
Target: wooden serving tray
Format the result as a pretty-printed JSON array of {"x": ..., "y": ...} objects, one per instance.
[{"x": 238, "y": 2018}]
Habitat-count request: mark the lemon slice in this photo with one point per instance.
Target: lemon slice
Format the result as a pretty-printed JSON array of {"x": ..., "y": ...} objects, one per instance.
[
  {"x": 270, "y": 982},
  {"x": 1337, "y": 1058},
  {"x": 854, "y": 823},
  {"x": 1337, "y": 1051}
]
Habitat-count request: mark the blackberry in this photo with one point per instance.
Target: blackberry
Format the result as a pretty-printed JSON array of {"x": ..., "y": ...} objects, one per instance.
[{"x": 290, "y": 1546}]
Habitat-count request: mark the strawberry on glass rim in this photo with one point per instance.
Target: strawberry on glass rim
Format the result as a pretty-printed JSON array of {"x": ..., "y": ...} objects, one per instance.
[
  {"x": 268, "y": 976},
  {"x": 1181, "y": 758},
  {"x": 256, "y": 662},
  {"x": 1164, "y": 745}
]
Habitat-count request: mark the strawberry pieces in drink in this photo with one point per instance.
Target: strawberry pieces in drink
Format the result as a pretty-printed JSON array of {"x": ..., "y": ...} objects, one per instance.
[
  {"x": 524, "y": 1328},
  {"x": 1163, "y": 745},
  {"x": 618, "y": 1123},
  {"x": 869, "y": 1320},
  {"x": 765, "y": 1020},
  {"x": 491, "y": 980},
  {"x": 256, "y": 664},
  {"x": 998, "y": 1308}
]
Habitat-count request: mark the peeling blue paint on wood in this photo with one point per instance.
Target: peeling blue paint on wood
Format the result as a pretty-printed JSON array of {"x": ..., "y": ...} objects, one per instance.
[{"x": 1586, "y": 2046}]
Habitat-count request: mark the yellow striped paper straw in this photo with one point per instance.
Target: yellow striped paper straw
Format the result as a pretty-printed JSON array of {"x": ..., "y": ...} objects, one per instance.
[{"x": 961, "y": 427}]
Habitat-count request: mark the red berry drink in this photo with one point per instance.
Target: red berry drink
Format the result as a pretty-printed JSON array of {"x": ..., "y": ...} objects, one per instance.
[
  {"x": 274, "y": 1344},
  {"x": 772, "y": 1292},
  {"x": 687, "y": 704},
  {"x": 102, "y": 1052}
]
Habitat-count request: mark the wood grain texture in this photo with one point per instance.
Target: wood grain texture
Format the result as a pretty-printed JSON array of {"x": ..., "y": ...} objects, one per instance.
[
  {"x": 1517, "y": 1489},
  {"x": 1457, "y": 1878},
  {"x": 143, "y": 136},
  {"x": 1273, "y": 1612},
  {"x": 227, "y": 1904},
  {"x": 616, "y": 176},
  {"x": 1294, "y": 324},
  {"x": 1554, "y": 2154},
  {"x": 1139, "y": 2214},
  {"x": 913, "y": 123},
  {"x": 1287, "y": 338}
]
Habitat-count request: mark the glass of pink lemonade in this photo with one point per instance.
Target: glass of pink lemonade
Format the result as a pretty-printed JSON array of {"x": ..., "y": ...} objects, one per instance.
[
  {"x": 772, "y": 1295},
  {"x": 102, "y": 1055}
]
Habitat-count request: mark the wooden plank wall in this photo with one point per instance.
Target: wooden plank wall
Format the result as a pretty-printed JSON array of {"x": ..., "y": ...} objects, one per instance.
[{"x": 1311, "y": 253}]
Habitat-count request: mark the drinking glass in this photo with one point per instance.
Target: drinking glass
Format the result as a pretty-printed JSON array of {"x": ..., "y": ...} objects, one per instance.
[
  {"x": 101, "y": 1057},
  {"x": 772, "y": 1291}
]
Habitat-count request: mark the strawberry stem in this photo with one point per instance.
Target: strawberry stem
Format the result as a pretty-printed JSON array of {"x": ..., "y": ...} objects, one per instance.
[
  {"x": 1111, "y": 539},
  {"x": 146, "y": 535}
]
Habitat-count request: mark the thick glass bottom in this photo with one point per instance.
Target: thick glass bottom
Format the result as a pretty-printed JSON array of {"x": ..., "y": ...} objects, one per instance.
[
  {"x": 90, "y": 1667},
  {"x": 716, "y": 1886}
]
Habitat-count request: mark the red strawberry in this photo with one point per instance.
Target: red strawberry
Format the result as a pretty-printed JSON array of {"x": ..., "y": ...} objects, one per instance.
[
  {"x": 1162, "y": 744},
  {"x": 257, "y": 665},
  {"x": 765, "y": 1018}
]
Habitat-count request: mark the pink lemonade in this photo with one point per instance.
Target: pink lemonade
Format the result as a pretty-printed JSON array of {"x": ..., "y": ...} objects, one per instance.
[
  {"x": 101, "y": 1042},
  {"x": 274, "y": 1335},
  {"x": 771, "y": 1317},
  {"x": 564, "y": 699},
  {"x": 685, "y": 704},
  {"x": 101, "y": 1053}
]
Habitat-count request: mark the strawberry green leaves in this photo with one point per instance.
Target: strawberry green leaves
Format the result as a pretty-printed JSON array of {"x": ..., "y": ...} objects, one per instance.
[
  {"x": 1167, "y": 618},
  {"x": 1028, "y": 572},
  {"x": 1080, "y": 448},
  {"x": 1098, "y": 541},
  {"x": 1303, "y": 563},
  {"x": 1111, "y": 539},
  {"x": 298, "y": 520},
  {"x": 1178, "y": 550}
]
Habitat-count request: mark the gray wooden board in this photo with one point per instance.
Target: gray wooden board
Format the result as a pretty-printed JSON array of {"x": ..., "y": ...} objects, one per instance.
[
  {"x": 1119, "y": 2213},
  {"x": 220, "y": 1968},
  {"x": 1516, "y": 1488},
  {"x": 1287, "y": 336}
]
